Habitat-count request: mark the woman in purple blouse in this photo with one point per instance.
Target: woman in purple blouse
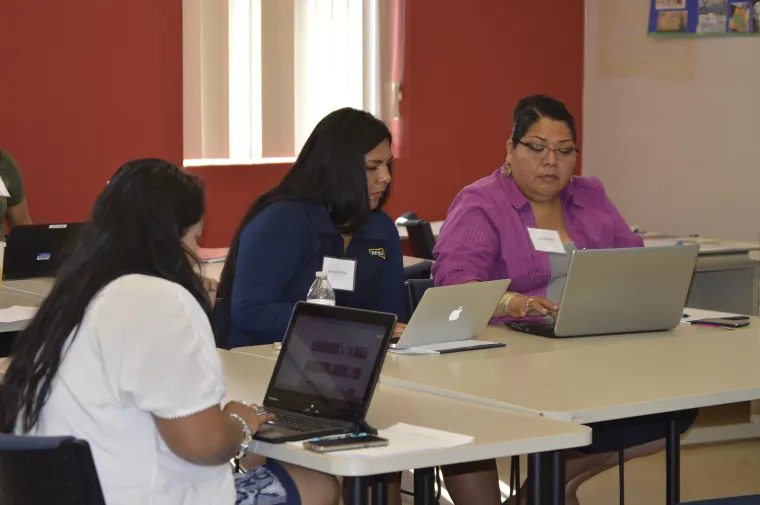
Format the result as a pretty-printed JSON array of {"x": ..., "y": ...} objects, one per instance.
[{"x": 489, "y": 234}]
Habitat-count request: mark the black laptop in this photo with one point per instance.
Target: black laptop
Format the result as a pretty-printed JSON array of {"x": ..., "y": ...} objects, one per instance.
[
  {"x": 37, "y": 250},
  {"x": 326, "y": 373}
]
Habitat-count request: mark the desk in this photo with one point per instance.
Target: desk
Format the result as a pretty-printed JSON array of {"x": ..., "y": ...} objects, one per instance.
[
  {"x": 9, "y": 298},
  {"x": 727, "y": 274},
  {"x": 38, "y": 287},
  {"x": 521, "y": 345},
  {"x": 497, "y": 433},
  {"x": 628, "y": 378}
]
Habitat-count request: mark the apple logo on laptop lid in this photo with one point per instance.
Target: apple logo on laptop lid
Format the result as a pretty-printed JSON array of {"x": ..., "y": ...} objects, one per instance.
[{"x": 455, "y": 314}]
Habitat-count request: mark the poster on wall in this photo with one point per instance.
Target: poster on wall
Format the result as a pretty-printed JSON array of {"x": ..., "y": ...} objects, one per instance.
[{"x": 700, "y": 18}]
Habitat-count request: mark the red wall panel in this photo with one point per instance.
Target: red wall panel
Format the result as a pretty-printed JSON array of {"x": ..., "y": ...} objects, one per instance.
[{"x": 87, "y": 85}]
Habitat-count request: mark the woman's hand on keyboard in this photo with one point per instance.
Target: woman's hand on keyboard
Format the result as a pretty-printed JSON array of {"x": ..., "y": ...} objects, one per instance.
[
  {"x": 250, "y": 414},
  {"x": 521, "y": 306}
]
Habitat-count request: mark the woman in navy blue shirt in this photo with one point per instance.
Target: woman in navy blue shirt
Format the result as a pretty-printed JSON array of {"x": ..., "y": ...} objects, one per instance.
[{"x": 327, "y": 206}]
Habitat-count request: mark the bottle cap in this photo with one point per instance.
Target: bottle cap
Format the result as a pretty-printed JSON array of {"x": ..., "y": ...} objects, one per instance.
[{"x": 322, "y": 275}]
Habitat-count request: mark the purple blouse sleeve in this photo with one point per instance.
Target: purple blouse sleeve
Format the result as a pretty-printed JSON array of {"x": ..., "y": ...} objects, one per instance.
[
  {"x": 468, "y": 245},
  {"x": 624, "y": 237}
]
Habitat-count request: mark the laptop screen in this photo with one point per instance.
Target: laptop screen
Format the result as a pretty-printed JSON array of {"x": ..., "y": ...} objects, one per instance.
[{"x": 330, "y": 360}]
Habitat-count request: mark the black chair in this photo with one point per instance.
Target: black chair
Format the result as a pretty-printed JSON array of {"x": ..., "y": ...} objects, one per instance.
[
  {"x": 421, "y": 270},
  {"x": 421, "y": 238},
  {"x": 415, "y": 288},
  {"x": 220, "y": 323},
  {"x": 37, "y": 470}
]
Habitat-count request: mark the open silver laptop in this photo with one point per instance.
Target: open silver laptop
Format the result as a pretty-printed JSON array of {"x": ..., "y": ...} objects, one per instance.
[
  {"x": 611, "y": 291},
  {"x": 448, "y": 318}
]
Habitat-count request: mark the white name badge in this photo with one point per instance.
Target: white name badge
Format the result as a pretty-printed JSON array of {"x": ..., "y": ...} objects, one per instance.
[
  {"x": 546, "y": 241},
  {"x": 341, "y": 273},
  {"x": 4, "y": 190}
]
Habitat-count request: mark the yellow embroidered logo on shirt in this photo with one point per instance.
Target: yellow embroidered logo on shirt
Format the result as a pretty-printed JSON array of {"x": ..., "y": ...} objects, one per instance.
[{"x": 380, "y": 252}]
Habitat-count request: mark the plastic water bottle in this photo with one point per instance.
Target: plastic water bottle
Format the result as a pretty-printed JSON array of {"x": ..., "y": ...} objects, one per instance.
[{"x": 321, "y": 292}]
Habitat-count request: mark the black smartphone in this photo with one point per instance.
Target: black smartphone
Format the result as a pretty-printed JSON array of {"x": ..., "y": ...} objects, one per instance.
[
  {"x": 724, "y": 322},
  {"x": 344, "y": 442}
]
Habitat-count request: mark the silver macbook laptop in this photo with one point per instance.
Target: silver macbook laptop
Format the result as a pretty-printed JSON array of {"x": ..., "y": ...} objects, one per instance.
[
  {"x": 448, "y": 318},
  {"x": 610, "y": 291}
]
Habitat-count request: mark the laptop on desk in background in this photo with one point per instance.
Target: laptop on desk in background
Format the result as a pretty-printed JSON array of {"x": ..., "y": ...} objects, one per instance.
[
  {"x": 326, "y": 372},
  {"x": 36, "y": 250},
  {"x": 448, "y": 318},
  {"x": 613, "y": 291}
]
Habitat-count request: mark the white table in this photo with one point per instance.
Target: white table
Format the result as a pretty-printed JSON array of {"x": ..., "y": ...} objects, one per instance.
[
  {"x": 497, "y": 432},
  {"x": 605, "y": 382},
  {"x": 591, "y": 379},
  {"x": 37, "y": 287}
]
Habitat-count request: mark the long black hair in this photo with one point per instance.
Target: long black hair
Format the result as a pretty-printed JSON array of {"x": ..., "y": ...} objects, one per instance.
[
  {"x": 331, "y": 170},
  {"x": 136, "y": 227}
]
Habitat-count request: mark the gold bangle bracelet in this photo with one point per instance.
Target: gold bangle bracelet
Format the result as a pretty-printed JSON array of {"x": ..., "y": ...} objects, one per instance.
[{"x": 504, "y": 303}]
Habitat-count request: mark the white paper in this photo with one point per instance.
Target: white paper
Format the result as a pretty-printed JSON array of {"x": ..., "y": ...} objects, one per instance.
[
  {"x": 404, "y": 438},
  {"x": 17, "y": 313},
  {"x": 546, "y": 241},
  {"x": 340, "y": 273},
  {"x": 695, "y": 314},
  {"x": 4, "y": 190}
]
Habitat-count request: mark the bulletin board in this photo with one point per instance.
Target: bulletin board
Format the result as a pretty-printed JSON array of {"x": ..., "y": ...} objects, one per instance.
[{"x": 701, "y": 18}]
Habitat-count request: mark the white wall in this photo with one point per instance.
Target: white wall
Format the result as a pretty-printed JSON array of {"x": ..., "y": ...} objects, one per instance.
[{"x": 672, "y": 127}]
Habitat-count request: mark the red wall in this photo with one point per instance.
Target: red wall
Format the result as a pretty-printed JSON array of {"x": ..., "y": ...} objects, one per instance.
[
  {"x": 85, "y": 86},
  {"x": 80, "y": 97}
]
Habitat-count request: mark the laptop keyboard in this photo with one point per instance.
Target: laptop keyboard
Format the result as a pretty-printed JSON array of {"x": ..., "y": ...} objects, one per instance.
[{"x": 301, "y": 423}]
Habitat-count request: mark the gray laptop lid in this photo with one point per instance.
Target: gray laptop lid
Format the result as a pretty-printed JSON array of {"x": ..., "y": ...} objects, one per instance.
[
  {"x": 625, "y": 290},
  {"x": 452, "y": 313}
]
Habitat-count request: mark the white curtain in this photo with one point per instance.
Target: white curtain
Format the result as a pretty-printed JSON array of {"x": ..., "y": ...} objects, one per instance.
[
  {"x": 336, "y": 60},
  {"x": 242, "y": 102}
]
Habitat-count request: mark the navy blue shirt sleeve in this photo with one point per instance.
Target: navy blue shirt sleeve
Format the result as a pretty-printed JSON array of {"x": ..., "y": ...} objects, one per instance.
[
  {"x": 271, "y": 248},
  {"x": 391, "y": 294}
]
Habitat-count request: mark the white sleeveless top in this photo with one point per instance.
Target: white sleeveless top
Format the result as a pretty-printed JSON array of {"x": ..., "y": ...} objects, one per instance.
[{"x": 145, "y": 347}]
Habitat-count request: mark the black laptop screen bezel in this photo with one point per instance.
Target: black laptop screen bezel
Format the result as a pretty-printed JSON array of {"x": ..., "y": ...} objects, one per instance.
[{"x": 314, "y": 405}]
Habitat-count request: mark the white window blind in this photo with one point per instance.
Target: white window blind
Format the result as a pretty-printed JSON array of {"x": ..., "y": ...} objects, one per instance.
[{"x": 259, "y": 74}]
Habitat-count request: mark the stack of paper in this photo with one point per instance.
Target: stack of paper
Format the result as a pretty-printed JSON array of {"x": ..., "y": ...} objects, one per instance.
[{"x": 404, "y": 438}]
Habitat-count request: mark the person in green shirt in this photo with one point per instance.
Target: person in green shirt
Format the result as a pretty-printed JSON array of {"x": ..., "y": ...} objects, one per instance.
[{"x": 13, "y": 208}]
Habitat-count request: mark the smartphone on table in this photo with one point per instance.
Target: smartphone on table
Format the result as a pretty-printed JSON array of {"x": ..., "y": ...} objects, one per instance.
[
  {"x": 345, "y": 442},
  {"x": 724, "y": 322}
]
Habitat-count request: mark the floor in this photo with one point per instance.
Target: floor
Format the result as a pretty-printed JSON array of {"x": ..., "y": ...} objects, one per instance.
[{"x": 708, "y": 471}]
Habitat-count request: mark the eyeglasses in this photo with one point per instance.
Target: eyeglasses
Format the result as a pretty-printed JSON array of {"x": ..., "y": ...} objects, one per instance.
[{"x": 562, "y": 153}]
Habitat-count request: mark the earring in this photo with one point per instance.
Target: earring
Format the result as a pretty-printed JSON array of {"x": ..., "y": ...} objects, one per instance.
[{"x": 506, "y": 170}]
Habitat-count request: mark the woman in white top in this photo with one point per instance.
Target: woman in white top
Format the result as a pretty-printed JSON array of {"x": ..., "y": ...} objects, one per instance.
[{"x": 121, "y": 354}]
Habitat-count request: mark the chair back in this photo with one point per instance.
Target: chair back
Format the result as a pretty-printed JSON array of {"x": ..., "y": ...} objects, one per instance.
[
  {"x": 37, "y": 470},
  {"x": 421, "y": 270},
  {"x": 415, "y": 288},
  {"x": 421, "y": 239},
  {"x": 220, "y": 323}
]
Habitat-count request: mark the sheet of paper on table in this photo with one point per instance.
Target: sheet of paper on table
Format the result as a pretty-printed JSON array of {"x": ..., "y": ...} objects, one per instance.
[
  {"x": 17, "y": 313},
  {"x": 404, "y": 438}
]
